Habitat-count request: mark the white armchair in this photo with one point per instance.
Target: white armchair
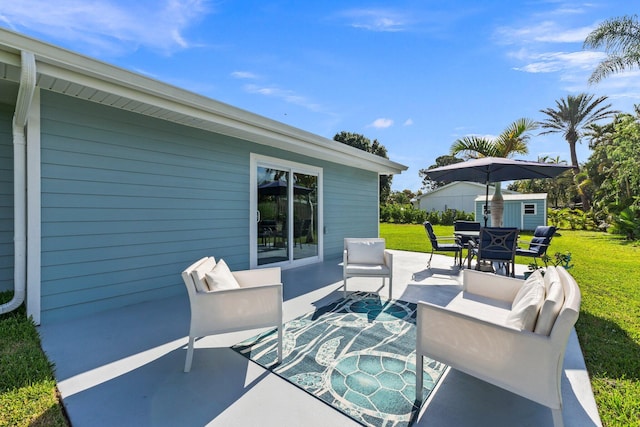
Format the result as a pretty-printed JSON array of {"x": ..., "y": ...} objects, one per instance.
[
  {"x": 223, "y": 301},
  {"x": 367, "y": 257},
  {"x": 505, "y": 331}
]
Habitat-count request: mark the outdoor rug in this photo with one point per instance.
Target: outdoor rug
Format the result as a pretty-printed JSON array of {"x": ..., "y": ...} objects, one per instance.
[{"x": 357, "y": 355}]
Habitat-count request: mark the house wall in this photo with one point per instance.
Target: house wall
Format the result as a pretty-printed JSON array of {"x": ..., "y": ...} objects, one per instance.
[
  {"x": 6, "y": 198},
  {"x": 129, "y": 201},
  {"x": 460, "y": 196}
]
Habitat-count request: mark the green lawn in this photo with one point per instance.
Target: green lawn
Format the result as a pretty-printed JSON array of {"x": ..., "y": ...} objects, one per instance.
[
  {"x": 28, "y": 395},
  {"x": 607, "y": 269}
]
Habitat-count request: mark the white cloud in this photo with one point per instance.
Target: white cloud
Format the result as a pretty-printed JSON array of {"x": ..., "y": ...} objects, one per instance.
[
  {"x": 548, "y": 62},
  {"x": 245, "y": 75},
  {"x": 285, "y": 95},
  {"x": 382, "y": 20},
  {"x": 112, "y": 26},
  {"x": 382, "y": 123},
  {"x": 408, "y": 122}
]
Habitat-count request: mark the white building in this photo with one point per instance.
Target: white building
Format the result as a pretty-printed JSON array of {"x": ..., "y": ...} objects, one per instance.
[{"x": 459, "y": 195}]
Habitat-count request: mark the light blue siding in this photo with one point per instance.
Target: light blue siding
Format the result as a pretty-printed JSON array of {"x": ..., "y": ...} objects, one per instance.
[
  {"x": 6, "y": 198},
  {"x": 128, "y": 202},
  {"x": 514, "y": 216}
]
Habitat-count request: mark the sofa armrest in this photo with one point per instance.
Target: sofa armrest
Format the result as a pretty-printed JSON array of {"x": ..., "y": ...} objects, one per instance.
[
  {"x": 258, "y": 277},
  {"x": 491, "y": 285},
  {"x": 388, "y": 259}
]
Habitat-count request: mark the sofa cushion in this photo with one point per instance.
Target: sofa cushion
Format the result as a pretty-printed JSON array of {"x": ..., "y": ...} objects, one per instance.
[
  {"x": 551, "y": 275},
  {"x": 365, "y": 252},
  {"x": 367, "y": 269},
  {"x": 535, "y": 279},
  {"x": 199, "y": 272},
  {"x": 550, "y": 309},
  {"x": 221, "y": 278},
  {"x": 524, "y": 313}
]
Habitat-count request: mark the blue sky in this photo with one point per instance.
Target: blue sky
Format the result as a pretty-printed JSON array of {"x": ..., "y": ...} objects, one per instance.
[{"x": 416, "y": 75}]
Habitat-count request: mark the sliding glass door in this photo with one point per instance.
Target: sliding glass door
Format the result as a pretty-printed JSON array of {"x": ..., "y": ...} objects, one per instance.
[{"x": 287, "y": 213}]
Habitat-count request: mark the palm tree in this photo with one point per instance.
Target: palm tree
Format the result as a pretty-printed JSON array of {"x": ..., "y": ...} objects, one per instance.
[
  {"x": 573, "y": 117},
  {"x": 513, "y": 140},
  {"x": 620, "y": 38}
]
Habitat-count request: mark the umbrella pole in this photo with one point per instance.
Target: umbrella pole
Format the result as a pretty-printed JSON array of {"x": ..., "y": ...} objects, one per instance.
[{"x": 486, "y": 204}]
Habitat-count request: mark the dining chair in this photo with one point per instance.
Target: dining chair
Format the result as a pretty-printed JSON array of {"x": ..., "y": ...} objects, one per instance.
[
  {"x": 496, "y": 244},
  {"x": 438, "y": 246},
  {"x": 539, "y": 243}
]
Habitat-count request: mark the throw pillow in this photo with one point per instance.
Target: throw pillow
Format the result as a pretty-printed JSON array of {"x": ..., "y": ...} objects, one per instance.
[
  {"x": 524, "y": 314},
  {"x": 366, "y": 252},
  {"x": 551, "y": 275},
  {"x": 550, "y": 309},
  {"x": 199, "y": 272},
  {"x": 221, "y": 278},
  {"x": 535, "y": 279}
]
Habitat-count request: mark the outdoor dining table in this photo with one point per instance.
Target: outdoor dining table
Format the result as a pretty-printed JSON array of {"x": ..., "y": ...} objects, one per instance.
[{"x": 470, "y": 235}]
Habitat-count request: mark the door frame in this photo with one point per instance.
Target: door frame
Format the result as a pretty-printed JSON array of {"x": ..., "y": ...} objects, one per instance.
[{"x": 257, "y": 160}]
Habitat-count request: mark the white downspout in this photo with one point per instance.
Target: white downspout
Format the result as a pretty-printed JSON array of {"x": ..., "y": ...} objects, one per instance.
[{"x": 23, "y": 105}]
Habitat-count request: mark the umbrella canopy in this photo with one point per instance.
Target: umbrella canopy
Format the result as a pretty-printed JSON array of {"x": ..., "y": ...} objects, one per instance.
[{"x": 495, "y": 169}]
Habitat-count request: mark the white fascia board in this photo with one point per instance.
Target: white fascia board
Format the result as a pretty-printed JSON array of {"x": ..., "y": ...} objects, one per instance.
[{"x": 72, "y": 67}]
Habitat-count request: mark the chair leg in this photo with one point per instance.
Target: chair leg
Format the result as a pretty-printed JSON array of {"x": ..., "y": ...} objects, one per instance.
[
  {"x": 280, "y": 327},
  {"x": 419, "y": 376},
  {"x": 429, "y": 262},
  {"x": 557, "y": 417},
  {"x": 189, "y": 359},
  {"x": 390, "y": 286},
  {"x": 344, "y": 295}
]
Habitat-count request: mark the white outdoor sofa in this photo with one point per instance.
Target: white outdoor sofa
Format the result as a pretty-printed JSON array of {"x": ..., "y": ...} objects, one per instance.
[{"x": 508, "y": 332}]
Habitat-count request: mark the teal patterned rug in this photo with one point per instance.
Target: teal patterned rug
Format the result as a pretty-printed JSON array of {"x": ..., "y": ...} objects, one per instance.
[{"x": 357, "y": 355}]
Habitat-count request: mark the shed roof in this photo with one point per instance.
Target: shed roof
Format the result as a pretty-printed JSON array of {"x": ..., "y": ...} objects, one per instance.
[
  {"x": 63, "y": 71},
  {"x": 525, "y": 196}
]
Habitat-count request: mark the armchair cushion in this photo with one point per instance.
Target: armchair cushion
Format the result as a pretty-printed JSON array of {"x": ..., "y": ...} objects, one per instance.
[
  {"x": 365, "y": 252},
  {"x": 199, "y": 273},
  {"x": 536, "y": 279},
  {"x": 220, "y": 278},
  {"x": 550, "y": 309},
  {"x": 524, "y": 312}
]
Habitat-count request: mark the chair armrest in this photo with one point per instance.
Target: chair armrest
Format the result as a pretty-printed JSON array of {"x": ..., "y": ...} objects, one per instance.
[
  {"x": 491, "y": 285},
  {"x": 388, "y": 258},
  {"x": 258, "y": 277}
]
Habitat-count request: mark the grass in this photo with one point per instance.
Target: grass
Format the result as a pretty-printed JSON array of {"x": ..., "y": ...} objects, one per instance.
[
  {"x": 28, "y": 394},
  {"x": 607, "y": 269},
  {"x": 605, "y": 266}
]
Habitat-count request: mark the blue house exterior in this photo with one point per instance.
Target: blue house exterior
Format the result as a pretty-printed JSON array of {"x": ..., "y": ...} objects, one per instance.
[
  {"x": 129, "y": 180},
  {"x": 524, "y": 211}
]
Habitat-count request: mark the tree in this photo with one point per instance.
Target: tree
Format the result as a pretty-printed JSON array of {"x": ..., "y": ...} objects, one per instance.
[
  {"x": 363, "y": 143},
  {"x": 620, "y": 38},
  {"x": 513, "y": 140},
  {"x": 572, "y": 117},
  {"x": 445, "y": 160}
]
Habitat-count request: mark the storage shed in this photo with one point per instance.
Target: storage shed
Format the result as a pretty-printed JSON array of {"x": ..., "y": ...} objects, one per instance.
[
  {"x": 524, "y": 211},
  {"x": 458, "y": 195}
]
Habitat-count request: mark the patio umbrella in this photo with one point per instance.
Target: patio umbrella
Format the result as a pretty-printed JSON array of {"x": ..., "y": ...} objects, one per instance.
[{"x": 495, "y": 169}]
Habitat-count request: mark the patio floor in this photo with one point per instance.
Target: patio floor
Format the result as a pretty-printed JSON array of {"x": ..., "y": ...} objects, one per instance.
[{"x": 124, "y": 367}]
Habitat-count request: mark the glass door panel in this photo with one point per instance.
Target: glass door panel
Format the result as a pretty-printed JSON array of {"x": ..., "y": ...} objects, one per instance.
[
  {"x": 273, "y": 214},
  {"x": 305, "y": 216}
]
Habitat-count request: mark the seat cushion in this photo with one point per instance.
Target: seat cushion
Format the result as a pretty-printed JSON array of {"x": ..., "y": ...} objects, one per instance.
[
  {"x": 365, "y": 252},
  {"x": 550, "y": 276},
  {"x": 220, "y": 278},
  {"x": 550, "y": 309},
  {"x": 367, "y": 269},
  {"x": 198, "y": 274}
]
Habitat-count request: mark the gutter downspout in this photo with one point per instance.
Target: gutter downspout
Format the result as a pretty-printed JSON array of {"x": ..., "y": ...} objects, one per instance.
[{"x": 23, "y": 105}]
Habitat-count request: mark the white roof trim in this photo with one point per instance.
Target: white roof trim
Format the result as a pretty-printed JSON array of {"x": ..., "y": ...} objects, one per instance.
[
  {"x": 481, "y": 187},
  {"x": 524, "y": 196},
  {"x": 66, "y": 72}
]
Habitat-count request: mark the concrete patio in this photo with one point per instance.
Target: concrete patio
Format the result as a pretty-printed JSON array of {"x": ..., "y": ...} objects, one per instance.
[{"x": 124, "y": 367}]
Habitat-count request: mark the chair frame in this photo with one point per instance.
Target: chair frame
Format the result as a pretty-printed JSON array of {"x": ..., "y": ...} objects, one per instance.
[
  {"x": 256, "y": 304},
  {"x": 435, "y": 247},
  {"x": 388, "y": 262},
  {"x": 543, "y": 246}
]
